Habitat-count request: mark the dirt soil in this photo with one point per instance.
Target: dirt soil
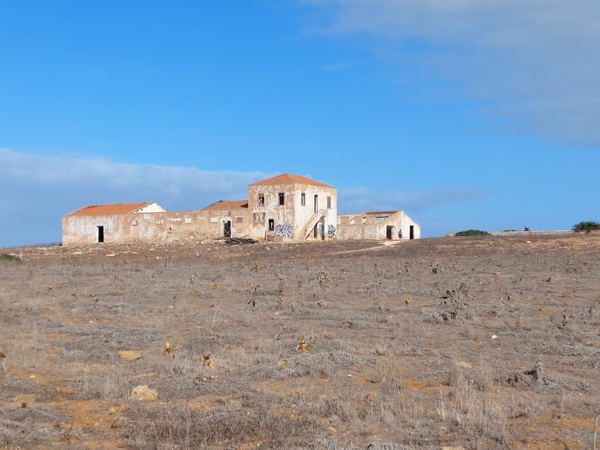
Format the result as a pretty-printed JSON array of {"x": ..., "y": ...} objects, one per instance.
[{"x": 473, "y": 343}]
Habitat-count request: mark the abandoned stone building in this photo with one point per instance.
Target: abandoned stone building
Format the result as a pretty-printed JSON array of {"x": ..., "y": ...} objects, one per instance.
[
  {"x": 281, "y": 208},
  {"x": 377, "y": 225}
]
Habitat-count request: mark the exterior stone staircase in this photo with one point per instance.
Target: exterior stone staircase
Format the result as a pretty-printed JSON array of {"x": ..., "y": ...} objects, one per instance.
[{"x": 312, "y": 222}]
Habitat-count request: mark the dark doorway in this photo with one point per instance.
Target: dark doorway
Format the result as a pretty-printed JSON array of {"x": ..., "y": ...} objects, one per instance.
[
  {"x": 101, "y": 234},
  {"x": 271, "y": 225},
  {"x": 316, "y": 204},
  {"x": 227, "y": 228},
  {"x": 388, "y": 232},
  {"x": 412, "y": 231}
]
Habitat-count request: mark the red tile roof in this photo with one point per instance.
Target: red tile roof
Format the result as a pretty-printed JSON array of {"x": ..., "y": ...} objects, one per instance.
[
  {"x": 223, "y": 205},
  {"x": 286, "y": 178},
  {"x": 110, "y": 209}
]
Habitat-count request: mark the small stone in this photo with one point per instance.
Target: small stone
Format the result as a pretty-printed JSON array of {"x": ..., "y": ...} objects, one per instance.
[
  {"x": 129, "y": 355},
  {"x": 464, "y": 364},
  {"x": 144, "y": 393}
]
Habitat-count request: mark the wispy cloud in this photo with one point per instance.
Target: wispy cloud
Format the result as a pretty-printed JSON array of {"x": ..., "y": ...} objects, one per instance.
[
  {"x": 362, "y": 199},
  {"x": 535, "y": 61},
  {"x": 37, "y": 190}
]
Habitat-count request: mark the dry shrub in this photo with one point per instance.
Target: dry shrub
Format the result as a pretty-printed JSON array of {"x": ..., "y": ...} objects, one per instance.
[
  {"x": 481, "y": 413},
  {"x": 110, "y": 385},
  {"x": 29, "y": 427},
  {"x": 178, "y": 425}
]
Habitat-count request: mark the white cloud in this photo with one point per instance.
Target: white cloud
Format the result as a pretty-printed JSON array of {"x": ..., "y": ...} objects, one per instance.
[
  {"x": 36, "y": 190},
  {"x": 536, "y": 61}
]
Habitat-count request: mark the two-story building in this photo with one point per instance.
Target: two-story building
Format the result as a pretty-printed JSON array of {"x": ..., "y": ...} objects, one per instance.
[{"x": 292, "y": 207}]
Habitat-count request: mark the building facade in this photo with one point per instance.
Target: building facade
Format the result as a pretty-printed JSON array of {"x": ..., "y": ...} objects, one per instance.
[
  {"x": 281, "y": 208},
  {"x": 377, "y": 225}
]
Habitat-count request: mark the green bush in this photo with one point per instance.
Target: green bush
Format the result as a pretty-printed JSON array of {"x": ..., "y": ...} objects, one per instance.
[
  {"x": 586, "y": 226},
  {"x": 7, "y": 257},
  {"x": 471, "y": 233}
]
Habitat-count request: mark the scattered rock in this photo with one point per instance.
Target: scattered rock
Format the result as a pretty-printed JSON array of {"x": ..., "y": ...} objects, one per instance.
[
  {"x": 129, "y": 355},
  {"x": 144, "y": 393},
  {"x": 464, "y": 364}
]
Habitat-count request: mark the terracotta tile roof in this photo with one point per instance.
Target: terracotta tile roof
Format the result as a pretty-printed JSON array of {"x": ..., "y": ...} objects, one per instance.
[
  {"x": 223, "y": 205},
  {"x": 110, "y": 209},
  {"x": 286, "y": 178}
]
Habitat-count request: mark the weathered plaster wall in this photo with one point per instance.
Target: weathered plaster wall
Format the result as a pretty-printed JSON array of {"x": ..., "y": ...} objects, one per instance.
[
  {"x": 154, "y": 226},
  {"x": 153, "y": 207},
  {"x": 367, "y": 226},
  {"x": 290, "y": 218}
]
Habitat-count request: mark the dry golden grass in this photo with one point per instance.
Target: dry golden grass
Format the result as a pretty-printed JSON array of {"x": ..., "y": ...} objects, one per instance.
[{"x": 484, "y": 343}]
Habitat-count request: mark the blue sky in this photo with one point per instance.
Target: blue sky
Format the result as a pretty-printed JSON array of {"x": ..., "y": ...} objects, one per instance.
[{"x": 466, "y": 114}]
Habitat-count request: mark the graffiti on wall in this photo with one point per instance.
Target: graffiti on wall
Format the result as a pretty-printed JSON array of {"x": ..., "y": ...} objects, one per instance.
[
  {"x": 284, "y": 231},
  {"x": 331, "y": 232}
]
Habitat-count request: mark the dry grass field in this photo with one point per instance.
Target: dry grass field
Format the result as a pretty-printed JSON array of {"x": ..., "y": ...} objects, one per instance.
[{"x": 479, "y": 343}]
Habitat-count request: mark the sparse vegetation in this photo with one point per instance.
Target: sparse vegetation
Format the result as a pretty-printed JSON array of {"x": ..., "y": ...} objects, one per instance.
[
  {"x": 586, "y": 226},
  {"x": 443, "y": 343},
  {"x": 471, "y": 233},
  {"x": 8, "y": 257}
]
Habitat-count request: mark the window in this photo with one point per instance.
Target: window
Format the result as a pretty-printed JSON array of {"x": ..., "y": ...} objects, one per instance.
[
  {"x": 239, "y": 218},
  {"x": 281, "y": 198},
  {"x": 303, "y": 199},
  {"x": 259, "y": 217},
  {"x": 271, "y": 224},
  {"x": 328, "y": 202},
  {"x": 160, "y": 221},
  {"x": 261, "y": 199}
]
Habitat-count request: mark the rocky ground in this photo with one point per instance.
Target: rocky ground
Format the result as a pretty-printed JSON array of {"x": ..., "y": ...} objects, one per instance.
[{"x": 479, "y": 343}]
